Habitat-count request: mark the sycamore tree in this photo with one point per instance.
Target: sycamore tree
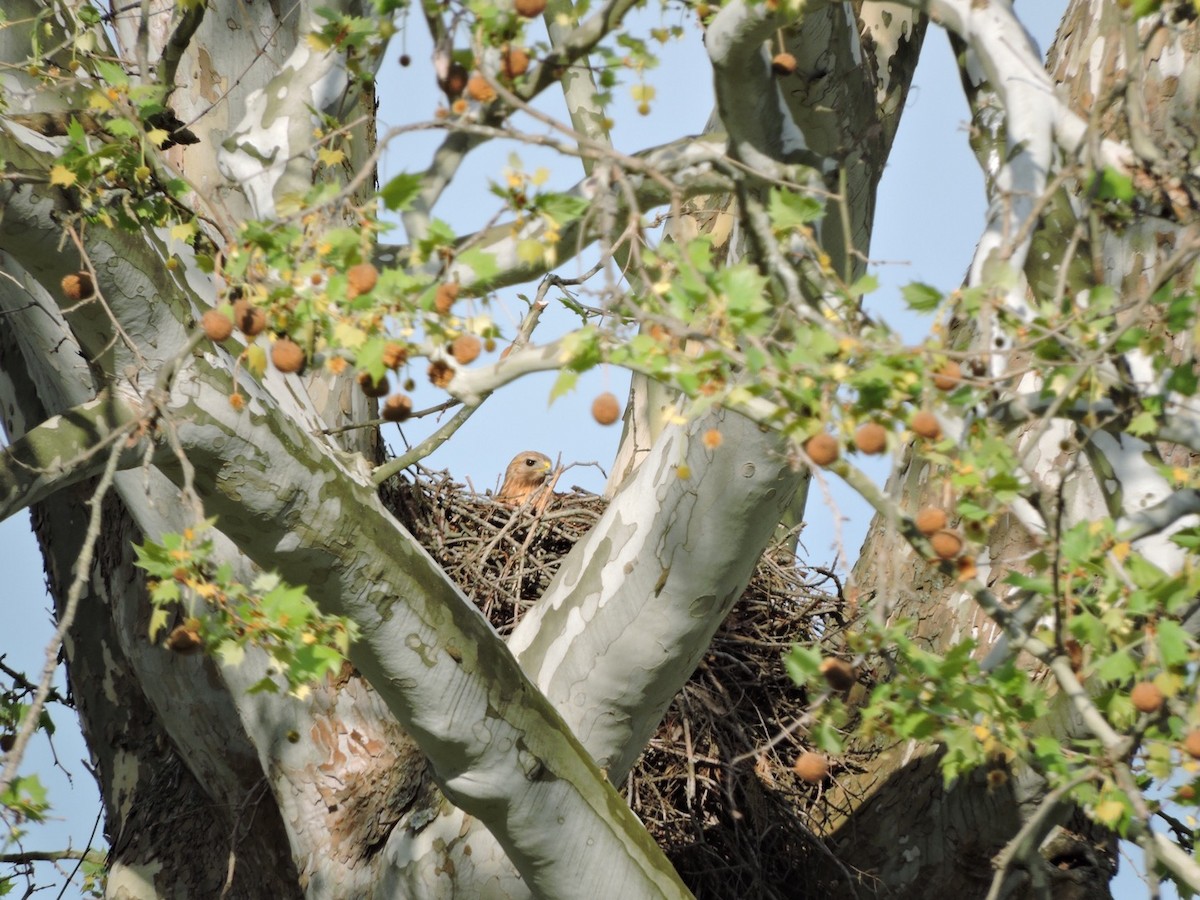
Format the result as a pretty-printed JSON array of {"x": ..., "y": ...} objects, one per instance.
[{"x": 206, "y": 314}]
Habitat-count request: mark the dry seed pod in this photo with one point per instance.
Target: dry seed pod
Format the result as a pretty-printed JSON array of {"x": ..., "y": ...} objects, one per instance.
[
  {"x": 287, "y": 355},
  {"x": 361, "y": 278},
  {"x": 514, "y": 62},
  {"x": 871, "y": 438},
  {"x": 443, "y": 300},
  {"x": 783, "y": 63},
  {"x": 217, "y": 326},
  {"x": 465, "y": 349},
  {"x": 397, "y": 408},
  {"x": 440, "y": 373},
  {"x": 926, "y": 425},
  {"x": 1191, "y": 744},
  {"x": 811, "y": 767},
  {"x": 606, "y": 409},
  {"x": 394, "y": 355},
  {"x": 78, "y": 286},
  {"x": 371, "y": 387},
  {"x": 249, "y": 319},
  {"x": 822, "y": 449},
  {"x": 948, "y": 377},
  {"x": 479, "y": 89},
  {"x": 838, "y": 673},
  {"x": 1146, "y": 697},
  {"x": 946, "y": 544},
  {"x": 931, "y": 520}
]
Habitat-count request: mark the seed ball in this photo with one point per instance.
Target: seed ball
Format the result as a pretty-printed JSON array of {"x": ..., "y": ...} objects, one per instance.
[
  {"x": 78, "y": 286},
  {"x": 465, "y": 348},
  {"x": 447, "y": 293},
  {"x": 405, "y": 60},
  {"x": 1146, "y": 697},
  {"x": 926, "y": 425},
  {"x": 822, "y": 448},
  {"x": 1191, "y": 744},
  {"x": 362, "y": 278},
  {"x": 931, "y": 520},
  {"x": 394, "y": 355},
  {"x": 838, "y": 673},
  {"x": 287, "y": 355},
  {"x": 440, "y": 373},
  {"x": 397, "y": 408},
  {"x": 946, "y": 544},
  {"x": 479, "y": 89},
  {"x": 529, "y": 8},
  {"x": 184, "y": 640},
  {"x": 455, "y": 81},
  {"x": 783, "y": 64},
  {"x": 606, "y": 409},
  {"x": 948, "y": 377},
  {"x": 6, "y": 741},
  {"x": 871, "y": 438},
  {"x": 371, "y": 387},
  {"x": 249, "y": 319},
  {"x": 514, "y": 62},
  {"x": 811, "y": 767},
  {"x": 217, "y": 326}
]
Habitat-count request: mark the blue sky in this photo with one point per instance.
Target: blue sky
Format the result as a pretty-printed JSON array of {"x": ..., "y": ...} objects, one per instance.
[{"x": 931, "y": 209}]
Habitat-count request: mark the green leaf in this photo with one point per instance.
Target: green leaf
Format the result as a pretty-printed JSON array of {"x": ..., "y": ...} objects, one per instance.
[
  {"x": 1109, "y": 184},
  {"x": 564, "y": 384},
  {"x": 1172, "y": 643},
  {"x": 802, "y": 664},
  {"x": 789, "y": 210},
  {"x": 481, "y": 263},
  {"x": 1118, "y": 667},
  {"x": 401, "y": 191},
  {"x": 921, "y": 297}
]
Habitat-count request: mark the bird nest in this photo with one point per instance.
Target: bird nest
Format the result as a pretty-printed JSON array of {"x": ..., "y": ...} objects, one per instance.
[{"x": 715, "y": 785}]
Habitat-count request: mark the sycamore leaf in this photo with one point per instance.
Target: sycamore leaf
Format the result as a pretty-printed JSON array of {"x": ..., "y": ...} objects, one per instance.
[
  {"x": 349, "y": 336},
  {"x": 62, "y": 176},
  {"x": 184, "y": 231},
  {"x": 330, "y": 157}
]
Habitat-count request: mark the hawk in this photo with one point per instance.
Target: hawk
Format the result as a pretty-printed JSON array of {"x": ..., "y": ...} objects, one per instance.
[{"x": 524, "y": 475}]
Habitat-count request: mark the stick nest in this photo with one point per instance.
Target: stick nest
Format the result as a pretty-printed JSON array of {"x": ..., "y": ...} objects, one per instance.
[{"x": 715, "y": 785}]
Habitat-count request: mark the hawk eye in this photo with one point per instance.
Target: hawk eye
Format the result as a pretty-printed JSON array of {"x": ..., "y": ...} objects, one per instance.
[{"x": 530, "y": 461}]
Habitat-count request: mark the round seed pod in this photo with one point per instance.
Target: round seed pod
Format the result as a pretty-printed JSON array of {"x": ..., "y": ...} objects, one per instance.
[
  {"x": 362, "y": 278},
  {"x": 397, "y": 408},
  {"x": 1146, "y": 697},
  {"x": 217, "y": 326},
  {"x": 606, "y": 409},
  {"x": 926, "y": 425},
  {"x": 931, "y": 520},
  {"x": 871, "y": 437},
  {"x": 529, "y": 8},
  {"x": 287, "y": 355},
  {"x": 443, "y": 300},
  {"x": 838, "y": 673},
  {"x": 948, "y": 377},
  {"x": 371, "y": 387},
  {"x": 946, "y": 544},
  {"x": 783, "y": 63},
  {"x": 78, "y": 286},
  {"x": 822, "y": 449},
  {"x": 465, "y": 348},
  {"x": 249, "y": 319},
  {"x": 811, "y": 767}
]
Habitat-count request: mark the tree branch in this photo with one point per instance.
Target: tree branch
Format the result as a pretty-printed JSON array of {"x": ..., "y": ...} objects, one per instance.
[{"x": 64, "y": 450}]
